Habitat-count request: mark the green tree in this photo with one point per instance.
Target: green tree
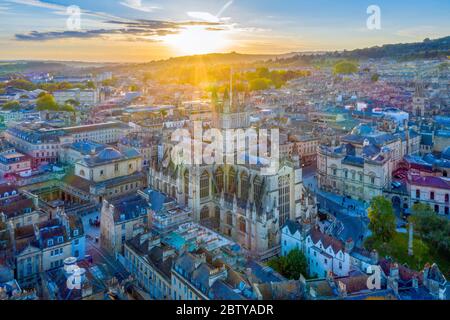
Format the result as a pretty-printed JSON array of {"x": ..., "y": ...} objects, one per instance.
[
  {"x": 134, "y": 87},
  {"x": 279, "y": 264},
  {"x": 382, "y": 219},
  {"x": 67, "y": 107},
  {"x": 73, "y": 102},
  {"x": 90, "y": 85},
  {"x": 11, "y": 105},
  {"x": 109, "y": 82},
  {"x": 375, "y": 77},
  {"x": 64, "y": 85},
  {"x": 345, "y": 67},
  {"x": 291, "y": 266},
  {"x": 296, "y": 264},
  {"x": 431, "y": 227},
  {"x": 22, "y": 84},
  {"x": 46, "y": 102},
  {"x": 163, "y": 113},
  {"x": 260, "y": 84},
  {"x": 263, "y": 72}
]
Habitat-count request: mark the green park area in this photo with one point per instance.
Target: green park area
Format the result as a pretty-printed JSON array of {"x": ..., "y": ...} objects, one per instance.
[{"x": 431, "y": 236}]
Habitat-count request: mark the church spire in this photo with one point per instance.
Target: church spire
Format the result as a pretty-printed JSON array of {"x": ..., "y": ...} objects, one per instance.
[{"x": 214, "y": 100}]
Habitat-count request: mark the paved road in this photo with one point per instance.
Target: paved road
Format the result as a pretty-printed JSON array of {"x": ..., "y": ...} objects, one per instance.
[
  {"x": 99, "y": 255},
  {"x": 310, "y": 177},
  {"x": 355, "y": 223}
]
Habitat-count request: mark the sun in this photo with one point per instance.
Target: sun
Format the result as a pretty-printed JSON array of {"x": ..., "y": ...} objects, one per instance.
[{"x": 197, "y": 40}]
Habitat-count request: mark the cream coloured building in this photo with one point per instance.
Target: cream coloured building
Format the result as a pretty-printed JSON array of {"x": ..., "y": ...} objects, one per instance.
[
  {"x": 111, "y": 173},
  {"x": 108, "y": 132},
  {"x": 89, "y": 97},
  {"x": 361, "y": 167},
  {"x": 121, "y": 220},
  {"x": 239, "y": 200}
]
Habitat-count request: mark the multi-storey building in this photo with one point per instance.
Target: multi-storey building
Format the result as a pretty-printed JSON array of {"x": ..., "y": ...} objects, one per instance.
[
  {"x": 71, "y": 153},
  {"x": 307, "y": 148},
  {"x": 150, "y": 262},
  {"x": 434, "y": 191},
  {"x": 108, "y": 132},
  {"x": 109, "y": 173},
  {"x": 324, "y": 253},
  {"x": 41, "y": 144},
  {"x": 121, "y": 220},
  {"x": 44, "y": 246},
  {"x": 15, "y": 163},
  {"x": 88, "y": 97},
  {"x": 147, "y": 146},
  {"x": 361, "y": 167},
  {"x": 18, "y": 208},
  {"x": 241, "y": 200}
]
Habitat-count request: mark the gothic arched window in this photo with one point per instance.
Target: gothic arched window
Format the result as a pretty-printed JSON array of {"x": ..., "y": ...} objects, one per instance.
[
  {"x": 219, "y": 179},
  {"x": 244, "y": 186},
  {"x": 204, "y": 185},
  {"x": 231, "y": 180}
]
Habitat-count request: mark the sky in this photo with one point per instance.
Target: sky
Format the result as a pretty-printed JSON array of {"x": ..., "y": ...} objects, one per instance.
[{"x": 145, "y": 30}]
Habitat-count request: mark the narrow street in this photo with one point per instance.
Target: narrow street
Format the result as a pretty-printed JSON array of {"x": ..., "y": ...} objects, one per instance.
[
  {"x": 355, "y": 221},
  {"x": 99, "y": 255}
]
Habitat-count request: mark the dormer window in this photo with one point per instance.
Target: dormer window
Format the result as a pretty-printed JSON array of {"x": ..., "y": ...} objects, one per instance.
[
  {"x": 60, "y": 239},
  {"x": 50, "y": 242},
  {"x": 75, "y": 232}
]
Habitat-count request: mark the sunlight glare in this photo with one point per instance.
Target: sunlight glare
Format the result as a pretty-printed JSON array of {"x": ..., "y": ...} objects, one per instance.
[{"x": 197, "y": 40}]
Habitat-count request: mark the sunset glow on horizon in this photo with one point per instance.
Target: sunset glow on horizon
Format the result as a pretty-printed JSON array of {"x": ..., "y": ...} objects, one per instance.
[
  {"x": 198, "y": 40},
  {"x": 136, "y": 31}
]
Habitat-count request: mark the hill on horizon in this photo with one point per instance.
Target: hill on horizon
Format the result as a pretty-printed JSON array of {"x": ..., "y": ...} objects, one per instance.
[{"x": 427, "y": 49}]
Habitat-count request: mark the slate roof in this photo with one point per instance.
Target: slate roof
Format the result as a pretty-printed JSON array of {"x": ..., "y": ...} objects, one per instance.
[
  {"x": 293, "y": 226},
  {"x": 285, "y": 290},
  {"x": 370, "y": 150},
  {"x": 354, "y": 284},
  {"x": 354, "y": 161},
  {"x": 129, "y": 207},
  {"x": 16, "y": 206},
  {"x": 327, "y": 240},
  {"x": 87, "y": 147},
  {"x": 221, "y": 291},
  {"x": 406, "y": 274},
  {"x": 110, "y": 154},
  {"x": 263, "y": 274},
  {"x": 430, "y": 181}
]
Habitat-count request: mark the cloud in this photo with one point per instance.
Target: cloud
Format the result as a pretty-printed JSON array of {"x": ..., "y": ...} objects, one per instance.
[
  {"x": 53, "y": 35},
  {"x": 135, "y": 30},
  {"x": 137, "y": 5},
  {"x": 206, "y": 16},
  {"x": 39, "y": 4},
  {"x": 61, "y": 9},
  {"x": 4, "y": 9},
  {"x": 131, "y": 33},
  {"x": 209, "y": 17}
]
